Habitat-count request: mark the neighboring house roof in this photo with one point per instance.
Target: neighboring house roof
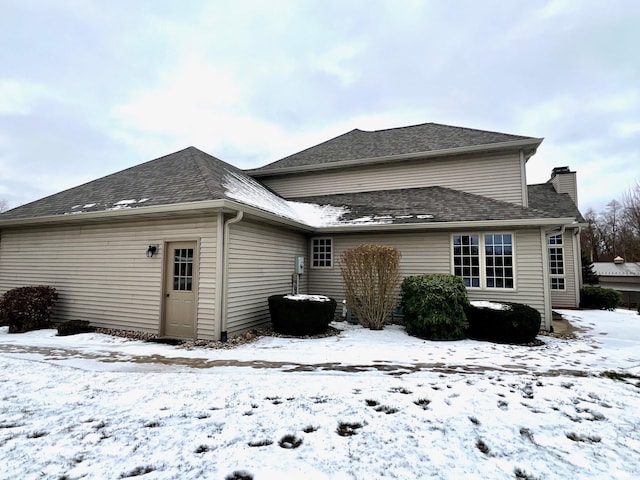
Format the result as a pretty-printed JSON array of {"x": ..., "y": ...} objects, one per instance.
[
  {"x": 394, "y": 142},
  {"x": 544, "y": 197},
  {"x": 423, "y": 205},
  {"x": 611, "y": 269},
  {"x": 188, "y": 175}
]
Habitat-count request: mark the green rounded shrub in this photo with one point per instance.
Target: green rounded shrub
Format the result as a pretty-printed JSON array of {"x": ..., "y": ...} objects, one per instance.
[
  {"x": 297, "y": 315},
  {"x": 517, "y": 323},
  {"x": 433, "y": 306},
  {"x": 600, "y": 298},
  {"x": 28, "y": 308}
]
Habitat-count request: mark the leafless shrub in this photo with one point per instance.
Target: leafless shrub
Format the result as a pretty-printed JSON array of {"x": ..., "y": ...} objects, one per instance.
[{"x": 371, "y": 275}]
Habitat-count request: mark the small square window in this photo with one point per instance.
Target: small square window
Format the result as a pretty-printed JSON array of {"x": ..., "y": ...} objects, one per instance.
[{"x": 322, "y": 252}]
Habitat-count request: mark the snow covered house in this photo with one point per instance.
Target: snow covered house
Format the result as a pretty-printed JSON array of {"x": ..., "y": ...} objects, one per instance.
[{"x": 187, "y": 245}]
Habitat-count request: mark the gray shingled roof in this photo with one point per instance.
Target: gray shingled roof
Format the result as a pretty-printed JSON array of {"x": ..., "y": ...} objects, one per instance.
[
  {"x": 544, "y": 197},
  {"x": 189, "y": 175},
  {"x": 424, "y": 205},
  {"x": 360, "y": 144}
]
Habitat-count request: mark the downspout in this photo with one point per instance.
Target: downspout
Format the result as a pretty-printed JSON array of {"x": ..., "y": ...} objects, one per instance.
[
  {"x": 225, "y": 274},
  {"x": 577, "y": 262},
  {"x": 546, "y": 289}
]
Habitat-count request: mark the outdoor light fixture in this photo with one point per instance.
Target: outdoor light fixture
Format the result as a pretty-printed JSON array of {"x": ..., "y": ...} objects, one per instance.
[{"x": 152, "y": 250}]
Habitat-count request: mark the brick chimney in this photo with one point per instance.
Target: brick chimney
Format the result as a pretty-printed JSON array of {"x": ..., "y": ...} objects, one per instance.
[{"x": 564, "y": 181}]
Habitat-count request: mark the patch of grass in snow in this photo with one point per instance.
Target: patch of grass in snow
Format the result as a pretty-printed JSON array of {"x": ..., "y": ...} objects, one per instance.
[
  {"x": 372, "y": 403},
  {"x": 202, "y": 449},
  {"x": 483, "y": 447},
  {"x": 576, "y": 437},
  {"x": 519, "y": 473},
  {"x": 239, "y": 475},
  {"x": 348, "y": 429},
  {"x": 290, "y": 441},
  {"x": 260, "y": 443},
  {"x": 138, "y": 471},
  {"x": 503, "y": 405},
  {"x": 310, "y": 429},
  {"x": 528, "y": 434},
  {"x": 10, "y": 425},
  {"x": 622, "y": 377},
  {"x": 386, "y": 409},
  {"x": 37, "y": 434},
  {"x": 152, "y": 424},
  {"x": 474, "y": 420},
  {"x": 400, "y": 390}
]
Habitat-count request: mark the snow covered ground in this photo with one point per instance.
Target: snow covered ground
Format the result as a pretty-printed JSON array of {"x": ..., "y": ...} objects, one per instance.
[{"x": 360, "y": 405}]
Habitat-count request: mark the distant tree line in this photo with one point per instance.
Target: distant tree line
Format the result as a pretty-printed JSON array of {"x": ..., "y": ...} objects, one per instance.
[{"x": 615, "y": 231}]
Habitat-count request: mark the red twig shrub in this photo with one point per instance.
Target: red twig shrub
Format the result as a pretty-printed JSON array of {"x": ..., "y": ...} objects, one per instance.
[
  {"x": 28, "y": 308},
  {"x": 371, "y": 275}
]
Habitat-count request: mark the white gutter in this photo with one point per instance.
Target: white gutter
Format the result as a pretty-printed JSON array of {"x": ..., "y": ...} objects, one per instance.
[
  {"x": 225, "y": 274},
  {"x": 532, "y": 142},
  {"x": 124, "y": 213},
  {"x": 461, "y": 225}
]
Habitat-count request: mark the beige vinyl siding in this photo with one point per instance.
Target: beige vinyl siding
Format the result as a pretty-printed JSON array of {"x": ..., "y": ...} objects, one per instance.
[
  {"x": 260, "y": 264},
  {"x": 567, "y": 298},
  {"x": 495, "y": 176},
  {"x": 421, "y": 253},
  {"x": 102, "y": 272},
  {"x": 430, "y": 252}
]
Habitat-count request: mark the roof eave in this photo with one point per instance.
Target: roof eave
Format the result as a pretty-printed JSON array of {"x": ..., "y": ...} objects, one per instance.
[
  {"x": 121, "y": 214},
  {"x": 460, "y": 225},
  {"x": 530, "y": 145},
  {"x": 186, "y": 208}
]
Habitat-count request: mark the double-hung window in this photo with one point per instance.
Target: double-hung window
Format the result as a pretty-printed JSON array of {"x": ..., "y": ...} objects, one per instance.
[
  {"x": 322, "y": 252},
  {"x": 484, "y": 261},
  {"x": 556, "y": 262}
]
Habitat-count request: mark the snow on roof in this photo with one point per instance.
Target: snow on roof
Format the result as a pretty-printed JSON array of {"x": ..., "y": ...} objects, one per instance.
[{"x": 248, "y": 191}]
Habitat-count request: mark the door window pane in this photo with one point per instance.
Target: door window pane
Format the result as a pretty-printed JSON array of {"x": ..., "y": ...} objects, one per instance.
[{"x": 183, "y": 269}]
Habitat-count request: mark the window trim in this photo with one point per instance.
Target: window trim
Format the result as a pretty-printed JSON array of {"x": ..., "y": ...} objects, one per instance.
[
  {"x": 312, "y": 262},
  {"x": 483, "y": 262},
  {"x": 557, "y": 276}
]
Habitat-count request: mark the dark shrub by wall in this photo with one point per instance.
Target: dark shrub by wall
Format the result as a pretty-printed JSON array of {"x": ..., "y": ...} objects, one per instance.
[
  {"x": 73, "y": 327},
  {"x": 433, "y": 306},
  {"x": 28, "y": 308},
  {"x": 517, "y": 323},
  {"x": 600, "y": 298},
  {"x": 301, "y": 314}
]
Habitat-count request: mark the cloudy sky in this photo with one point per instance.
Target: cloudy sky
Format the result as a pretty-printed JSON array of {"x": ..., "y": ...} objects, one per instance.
[{"x": 88, "y": 88}]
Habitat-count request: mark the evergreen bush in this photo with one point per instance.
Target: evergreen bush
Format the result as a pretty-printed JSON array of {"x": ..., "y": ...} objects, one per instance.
[
  {"x": 28, "y": 308},
  {"x": 301, "y": 314},
  {"x": 371, "y": 274},
  {"x": 600, "y": 298},
  {"x": 433, "y": 306},
  {"x": 516, "y": 323}
]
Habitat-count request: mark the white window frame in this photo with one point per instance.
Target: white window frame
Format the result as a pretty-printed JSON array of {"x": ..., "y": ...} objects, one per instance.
[
  {"x": 483, "y": 260},
  {"x": 557, "y": 280},
  {"x": 312, "y": 257}
]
